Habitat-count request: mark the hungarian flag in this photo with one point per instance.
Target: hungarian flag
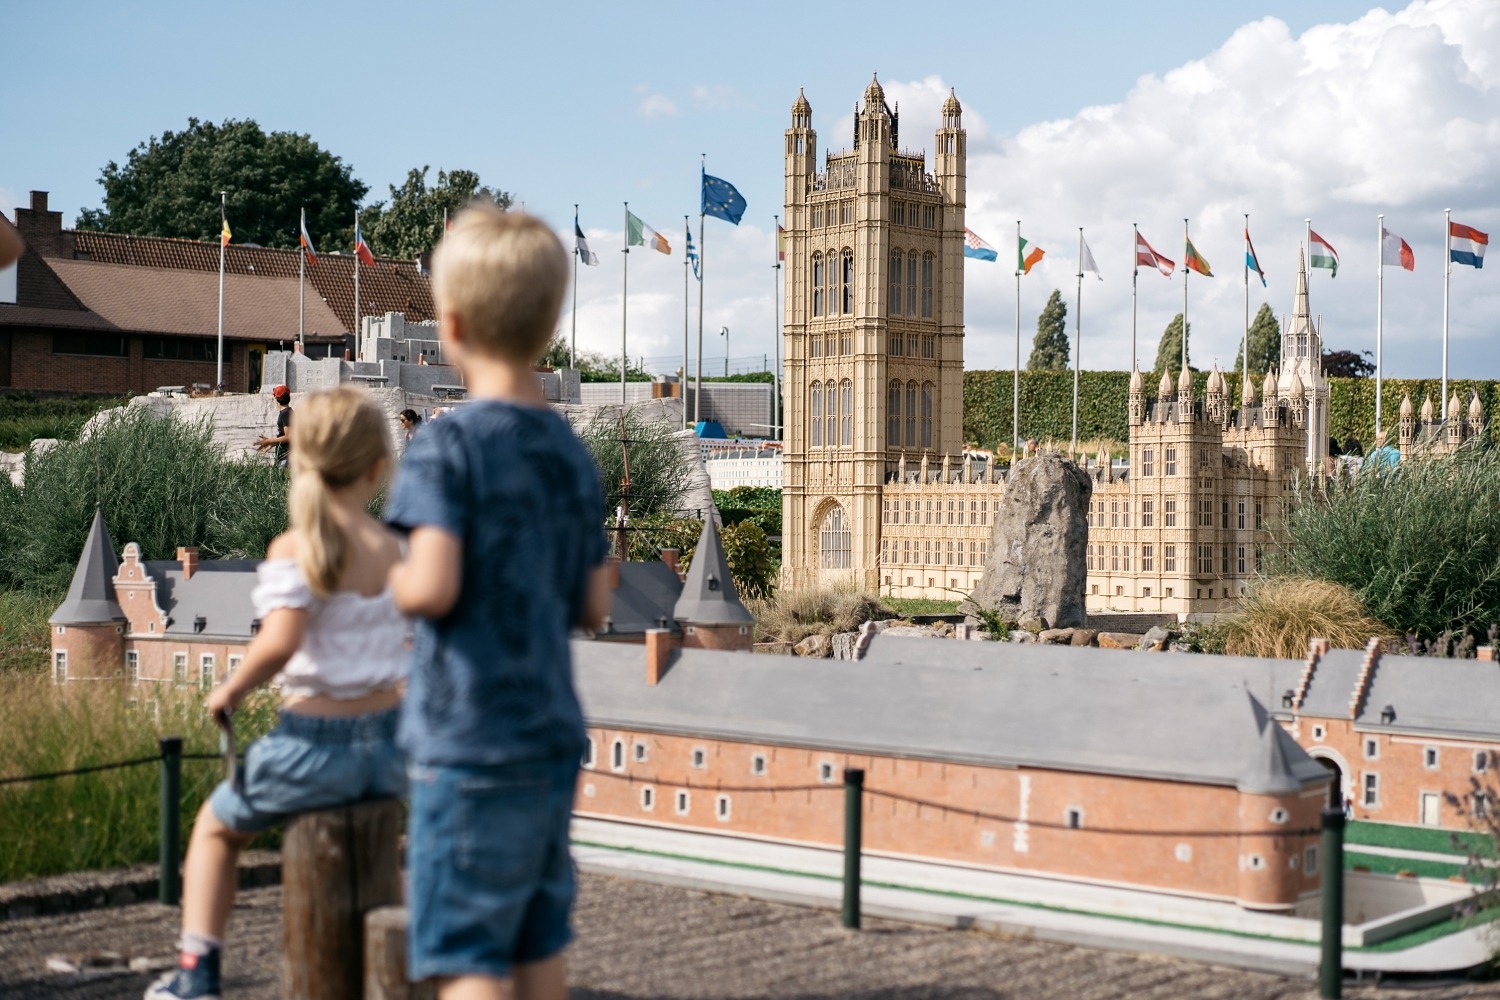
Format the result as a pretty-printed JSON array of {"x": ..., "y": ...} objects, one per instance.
[
  {"x": 1466, "y": 244},
  {"x": 1196, "y": 262},
  {"x": 1395, "y": 250},
  {"x": 638, "y": 234},
  {"x": 1323, "y": 255},
  {"x": 1027, "y": 255},
  {"x": 361, "y": 248},
  {"x": 307, "y": 243},
  {"x": 1145, "y": 256}
]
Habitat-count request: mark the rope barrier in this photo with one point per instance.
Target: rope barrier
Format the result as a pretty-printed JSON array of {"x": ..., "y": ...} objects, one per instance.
[{"x": 96, "y": 768}]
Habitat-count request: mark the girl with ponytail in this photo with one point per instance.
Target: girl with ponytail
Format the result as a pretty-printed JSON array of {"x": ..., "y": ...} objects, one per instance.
[{"x": 330, "y": 630}]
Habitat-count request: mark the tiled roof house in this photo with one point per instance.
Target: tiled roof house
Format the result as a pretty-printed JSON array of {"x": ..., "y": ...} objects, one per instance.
[{"x": 111, "y": 313}]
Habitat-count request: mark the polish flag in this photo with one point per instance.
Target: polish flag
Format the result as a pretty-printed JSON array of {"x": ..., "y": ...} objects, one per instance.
[{"x": 1144, "y": 255}]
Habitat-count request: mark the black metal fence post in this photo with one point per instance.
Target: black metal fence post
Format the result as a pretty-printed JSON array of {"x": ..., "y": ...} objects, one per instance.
[
  {"x": 1331, "y": 968},
  {"x": 170, "y": 837},
  {"x": 854, "y": 789}
]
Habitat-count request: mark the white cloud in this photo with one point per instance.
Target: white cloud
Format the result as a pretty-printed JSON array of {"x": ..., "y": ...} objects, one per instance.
[
  {"x": 654, "y": 105},
  {"x": 717, "y": 97}
]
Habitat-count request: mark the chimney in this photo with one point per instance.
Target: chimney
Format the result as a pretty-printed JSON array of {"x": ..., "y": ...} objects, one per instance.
[
  {"x": 658, "y": 652},
  {"x": 672, "y": 557},
  {"x": 612, "y": 568},
  {"x": 41, "y": 227},
  {"x": 188, "y": 556}
]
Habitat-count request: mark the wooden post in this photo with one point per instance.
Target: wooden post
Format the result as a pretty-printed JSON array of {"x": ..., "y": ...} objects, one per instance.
[
  {"x": 336, "y": 866},
  {"x": 385, "y": 958}
]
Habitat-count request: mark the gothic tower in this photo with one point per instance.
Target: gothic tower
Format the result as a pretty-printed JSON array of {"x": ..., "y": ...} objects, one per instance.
[
  {"x": 1302, "y": 362},
  {"x": 873, "y": 333}
]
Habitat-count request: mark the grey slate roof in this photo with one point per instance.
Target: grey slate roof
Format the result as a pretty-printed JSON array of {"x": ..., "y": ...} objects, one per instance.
[
  {"x": 644, "y": 599},
  {"x": 1455, "y": 697},
  {"x": 708, "y": 594},
  {"x": 1332, "y": 686},
  {"x": 91, "y": 595},
  {"x": 1098, "y": 711},
  {"x": 219, "y": 591}
]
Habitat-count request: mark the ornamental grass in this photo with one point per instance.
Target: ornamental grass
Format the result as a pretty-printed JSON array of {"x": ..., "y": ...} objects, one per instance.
[{"x": 1280, "y": 615}]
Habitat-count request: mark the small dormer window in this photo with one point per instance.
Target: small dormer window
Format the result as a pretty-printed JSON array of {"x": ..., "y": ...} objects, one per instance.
[
  {"x": 713, "y": 582},
  {"x": 200, "y": 623}
]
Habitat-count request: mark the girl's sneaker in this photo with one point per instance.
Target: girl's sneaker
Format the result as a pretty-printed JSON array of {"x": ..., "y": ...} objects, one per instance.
[{"x": 195, "y": 978}]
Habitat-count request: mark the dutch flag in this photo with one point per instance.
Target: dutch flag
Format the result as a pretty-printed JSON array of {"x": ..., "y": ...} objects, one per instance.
[{"x": 1466, "y": 244}]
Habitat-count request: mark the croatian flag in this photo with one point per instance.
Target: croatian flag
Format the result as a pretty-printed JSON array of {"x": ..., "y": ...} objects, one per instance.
[
  {"x": 1466, "y": 244},
  {"x": 361, "y": 248},
  {"x": 977, "y": 248}
]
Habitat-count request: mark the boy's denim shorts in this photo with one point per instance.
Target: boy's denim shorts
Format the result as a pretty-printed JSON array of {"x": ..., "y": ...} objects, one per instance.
[
  {"x": 310, "y": 762},
  {"x": 491, "y": 878}
]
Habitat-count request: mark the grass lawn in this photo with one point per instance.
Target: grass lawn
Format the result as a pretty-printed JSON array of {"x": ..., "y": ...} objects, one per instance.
[
  {"x": 23, "y": 418},
  {"x": 24, "y": 641},
  {"x": 1386, "y": 865},
  {"x": 1416, "y": 838},
  {"x": 908, "y": 606}
]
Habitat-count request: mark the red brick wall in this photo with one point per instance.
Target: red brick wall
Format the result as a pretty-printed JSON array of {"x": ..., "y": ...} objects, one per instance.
[
  {"x": 33, "y": 366},
  {"x": 734, "y": 637},
  {"x": 94, "y": 651},
  {"x": 966, "y": 814}
]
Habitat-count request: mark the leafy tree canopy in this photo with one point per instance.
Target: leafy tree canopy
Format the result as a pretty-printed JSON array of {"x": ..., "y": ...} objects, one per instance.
[
  {"x": 1169, "y": 352},
  {"x": 169, "y": 186},
  {"x": 411, "y": 223},
  {"x": 593, "y": 366},
  {"x": 1265, "y": 343},
  {"x": 1348, "y": 364},
  {"x": 1051, "y": 348}
]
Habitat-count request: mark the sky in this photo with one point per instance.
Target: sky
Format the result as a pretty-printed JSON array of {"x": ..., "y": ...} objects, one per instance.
[{"x": 1079, "y": 114}]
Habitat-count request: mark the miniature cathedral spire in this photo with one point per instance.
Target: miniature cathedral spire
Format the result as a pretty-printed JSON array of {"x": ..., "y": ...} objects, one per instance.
[{"x": 91, "y": 596}]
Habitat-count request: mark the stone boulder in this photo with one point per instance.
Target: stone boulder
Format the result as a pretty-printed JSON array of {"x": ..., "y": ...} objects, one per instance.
[
  {"x": 817, "y": 646},
  {"x": 1037, "y": 559},
  {"x": 1057, "y": 636},
  {"x": 1118, "y": 640},
  {"x": 1157, "y": 638}
]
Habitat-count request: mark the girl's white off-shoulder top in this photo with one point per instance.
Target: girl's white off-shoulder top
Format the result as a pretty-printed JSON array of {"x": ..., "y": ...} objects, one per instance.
[{"x": 353, "y": 644}]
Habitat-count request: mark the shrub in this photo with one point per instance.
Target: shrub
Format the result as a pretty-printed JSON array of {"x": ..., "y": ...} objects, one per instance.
[
  {"x": 1419, "y": 544},
  {"x": 24, "y": 418},
  {"x": 761, "y": 504},
  {"x": 1280, "y": 615},
  {"x": 749, "y": 553},
  {"x": 161, "y": 482},
  {"x": 660, "y": 473},
  {"x": 795, "y": 614},
  {"x": 25, "y": 638}
]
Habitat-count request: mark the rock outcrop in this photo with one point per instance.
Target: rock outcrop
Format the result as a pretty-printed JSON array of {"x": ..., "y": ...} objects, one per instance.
[{"x": 1037, "y": 563}]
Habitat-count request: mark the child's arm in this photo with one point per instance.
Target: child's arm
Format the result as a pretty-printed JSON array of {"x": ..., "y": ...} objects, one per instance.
[
  {"x": 279, "y": 637},
  {"x": 426, "y": 583}
]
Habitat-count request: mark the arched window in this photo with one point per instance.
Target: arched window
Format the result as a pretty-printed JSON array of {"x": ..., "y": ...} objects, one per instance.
[
  {"x": 893, "y": 414},
  {"x": 833, "y": 283},
  {"x": 817, "y": 284},
  {"x": 911, "y": 284},
  {"x": 834, "y": 540},
  {"x": 894, "y": 305},
  {"x": 848, "y": 283},
  {"x": 846, "y": 413},
  {"x": 927, "y": 388},
  {"x": 928, "y": 262},
  {"x": 815, "y": 410},
  {"x": 831, "y": 401},
  {"x": 911, "y": 414}
]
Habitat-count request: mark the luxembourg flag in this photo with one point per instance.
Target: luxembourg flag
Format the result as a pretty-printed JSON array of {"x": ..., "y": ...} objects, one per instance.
[
  {"x": 307, "y": 243},
  {"x": 977, "y": 248},
  {"x": 1466, "y": 244}
]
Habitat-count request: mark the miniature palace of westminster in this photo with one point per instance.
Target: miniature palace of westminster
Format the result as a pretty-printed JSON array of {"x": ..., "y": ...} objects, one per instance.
[{"x": 877, "y": 493}]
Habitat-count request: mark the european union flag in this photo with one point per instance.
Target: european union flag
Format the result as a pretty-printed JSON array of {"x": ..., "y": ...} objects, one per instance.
[{"x": 721, "y": 200}]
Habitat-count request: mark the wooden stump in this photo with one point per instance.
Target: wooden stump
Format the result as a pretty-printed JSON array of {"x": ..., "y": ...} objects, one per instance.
[
  {"x": 336, "y": 866},
  {"x": 385, "y": 958}
]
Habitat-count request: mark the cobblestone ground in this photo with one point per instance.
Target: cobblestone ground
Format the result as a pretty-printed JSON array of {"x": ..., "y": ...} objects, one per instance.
[{"x": 643, "y": 942}]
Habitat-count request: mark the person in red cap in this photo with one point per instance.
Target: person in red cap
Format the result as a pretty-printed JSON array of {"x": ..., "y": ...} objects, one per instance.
[{"x": 282, "y": 438}]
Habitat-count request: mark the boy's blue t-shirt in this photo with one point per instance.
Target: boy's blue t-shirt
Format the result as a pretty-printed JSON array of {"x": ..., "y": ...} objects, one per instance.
[{"x": 492, "y": 681}]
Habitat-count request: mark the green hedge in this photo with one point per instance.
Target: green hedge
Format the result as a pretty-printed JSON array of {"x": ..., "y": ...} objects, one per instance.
[{"x": 1104, "y": 399}]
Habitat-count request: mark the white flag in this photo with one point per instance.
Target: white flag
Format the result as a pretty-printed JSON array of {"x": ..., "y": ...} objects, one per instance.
[{"x": 1086, "y": 262}]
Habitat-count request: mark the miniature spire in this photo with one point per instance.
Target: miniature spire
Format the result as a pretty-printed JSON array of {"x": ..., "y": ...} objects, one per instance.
[
  {"x": 1185, "y": 380},
  {"x": 951, "y": 105},
  {"x": 1426, "y": 409},
  {"x": 874, "y": 93},
  {"x": 1406, "y": 407},
  {"x": 91, "y": 596},
  {"x": 1268, "y": 388},
  {"x": 1476, "y": 408},
  {"x": 800, "y": 106},
  {"x": 1271, "y": 771},
  {"x": 1247, "y": 391},
  {"x": 1137, "y": 383},
  {"x": 1297, "y": 389},
  {"x": 708, "y": 594},
  {"x": 1164, "y": 390},
  {"x": 1453, "y": 404}
]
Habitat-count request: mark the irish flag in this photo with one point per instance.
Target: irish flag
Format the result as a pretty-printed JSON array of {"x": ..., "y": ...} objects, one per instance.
[
  {"x": 1027, "y": 255},
  {"x": 1323, "y": 255},
  {"x": 638, "y": 234},
  {"x": 1466, "y": 244}
]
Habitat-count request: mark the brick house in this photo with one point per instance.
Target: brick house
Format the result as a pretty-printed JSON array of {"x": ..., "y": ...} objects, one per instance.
[{"x": 110, "y": 313}]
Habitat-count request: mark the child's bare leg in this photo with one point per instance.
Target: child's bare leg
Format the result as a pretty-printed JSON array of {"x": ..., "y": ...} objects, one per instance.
[
  {"x": 544, "y": 980},
  {"x": 474, "y": 988},
  {"x": 209, "y": 877}
]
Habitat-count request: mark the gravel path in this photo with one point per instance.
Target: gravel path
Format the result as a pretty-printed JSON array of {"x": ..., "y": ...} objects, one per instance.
[{"x": 638, "y": 941}]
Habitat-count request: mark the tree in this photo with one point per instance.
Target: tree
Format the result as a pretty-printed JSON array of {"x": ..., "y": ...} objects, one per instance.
[
  {"x": 169, "y": 186},
  {"x": 1265, "y": 343},
  {"x": 592, "y": 365},
  {"x": 412, "y": 222},
  {"x": 1169, "y": 351},
  {"x": 1348, "y": 364},
  {"x": 1051, "y": 348},
  {"x": 661, "y": 470}
]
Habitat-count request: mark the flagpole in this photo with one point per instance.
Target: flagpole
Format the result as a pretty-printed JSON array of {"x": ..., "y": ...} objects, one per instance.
[
  {"x": 702, "y": 267},
  {"x": 775, "y": 330},
  {"x": 1015, "y": 382},
  {"x": 1245, "y": 344},
  {"x": 577, "y": 253},
  {"x": 1312, "y": 468},
  {"x": 356, "y": 283},
  {"x": 223, "y": 222},
  {"x": 1077, "y": 338},
  {"x": 682, "y": 380},
  {"x": 624, "y": 304},
  {"x": 1447, "y": 270},
  {"x": 1135, "y": 274},
  {"x": 1379, "y": 313},
  {"x": 302, "y": 285},
  {"x": 1185, "y": 241}
]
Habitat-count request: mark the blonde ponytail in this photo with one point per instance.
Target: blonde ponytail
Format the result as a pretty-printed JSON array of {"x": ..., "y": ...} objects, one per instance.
[{"x": 336, "y": 437}]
